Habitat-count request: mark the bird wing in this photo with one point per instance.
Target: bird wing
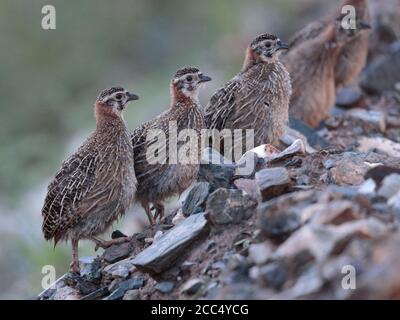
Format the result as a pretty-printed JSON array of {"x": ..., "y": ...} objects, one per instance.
[
  {"x": 72, "y": 183},
  {"x": 221, "y": 105}
]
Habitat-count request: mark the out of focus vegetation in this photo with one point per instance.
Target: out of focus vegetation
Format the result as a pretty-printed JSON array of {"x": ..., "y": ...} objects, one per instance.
[{"x": 50, "y": 79}]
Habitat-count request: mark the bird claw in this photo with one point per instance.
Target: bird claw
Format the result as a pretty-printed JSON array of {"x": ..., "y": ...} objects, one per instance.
[
  {"x": 106, "y": 244},
  {"x": 74, "y": 267}
]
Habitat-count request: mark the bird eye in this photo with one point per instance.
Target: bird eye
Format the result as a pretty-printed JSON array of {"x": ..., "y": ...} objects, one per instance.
[
  {"x": 118, "y": 96},
  {"x": 268, "y": 44},
  {"x": 189, "y": 78}
]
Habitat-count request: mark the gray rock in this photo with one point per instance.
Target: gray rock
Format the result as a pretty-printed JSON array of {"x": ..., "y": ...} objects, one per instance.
[
  {"x": 310, "y": 135},
  {"x": 130, "y": 284},
  {"x": 259, "y": 253},
  {"x": 375, "y": 119},
  {"x": 132, "y": 295},
  {"x": 99, "y": 293},
  {"x": 382, "y": 74},
  {"x": 390, "y": 186},
  {"x": 273, "y": 275},
  {"x": 161, "y": 256},
  {"x": 119, "y": 269},
  {"x": 348, "y": 97},
  {"x": 272, "y": 182},
  {"x": 218, "y": 176},
  {"x": 192, "y": 286},
  {"x": 196, "y": 198},
  {"x": 165, "y": 286},
  {"x": 117, "y": 252},
  {"x": 250, "y": 187},
  {"x": 226, "y": 206},
  {"x": 297, "y": 147}
]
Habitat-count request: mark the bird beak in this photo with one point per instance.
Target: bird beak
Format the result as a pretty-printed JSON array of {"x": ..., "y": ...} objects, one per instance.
[
  {"x": 283, "y": 46},
  {"x": 364, "y": 25},
  {"x": 204, "y": 78},
  {"x": 132, "y": 96}
]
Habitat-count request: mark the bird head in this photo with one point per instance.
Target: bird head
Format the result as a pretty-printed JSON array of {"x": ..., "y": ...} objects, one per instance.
[
  {"x": 187, "y": 82},
  {"x": 113, "y": 100},
  {"x": 267, "y": 48}
]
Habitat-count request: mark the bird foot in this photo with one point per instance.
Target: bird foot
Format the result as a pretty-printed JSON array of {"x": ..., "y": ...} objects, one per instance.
[
  {"x": 74, "y": 267},
  {"x": 104, "y": 244}
]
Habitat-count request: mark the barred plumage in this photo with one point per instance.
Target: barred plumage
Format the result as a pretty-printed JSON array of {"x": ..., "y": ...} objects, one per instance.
[
  {"x": 257, "y": 97},
  {"x": 96, "y": 184},
  {"x": 156, "y": 182}
]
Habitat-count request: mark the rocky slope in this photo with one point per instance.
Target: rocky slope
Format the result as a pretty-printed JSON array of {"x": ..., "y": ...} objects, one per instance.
[{"x": 299, "y": 226}]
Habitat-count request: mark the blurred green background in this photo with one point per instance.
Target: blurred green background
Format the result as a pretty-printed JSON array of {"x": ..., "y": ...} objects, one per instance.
[{"x": 49, "y": 80}]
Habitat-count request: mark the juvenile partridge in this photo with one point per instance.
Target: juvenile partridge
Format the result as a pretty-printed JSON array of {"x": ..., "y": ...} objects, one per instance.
[
  {"x": 311, "y": 66},
  {"x": 257, "y": 97},
  {"x": 95, "y": 185},
  {"x": 353, "y": 55},
  {"x": 171, "y": 175}
]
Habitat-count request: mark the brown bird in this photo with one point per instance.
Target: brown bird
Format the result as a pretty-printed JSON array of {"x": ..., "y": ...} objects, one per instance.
[
  {"x": 95, "y": 185},
  {"x": 257, "y": 97},
  {"x": 158, "y": 180},
  {"x": 311, "y": 66},
  {"x": 353, "y": 55}
]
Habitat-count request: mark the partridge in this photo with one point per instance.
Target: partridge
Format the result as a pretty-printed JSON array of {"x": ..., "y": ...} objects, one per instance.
[
  {"x": 257, "y": 98},
  {"x": 312, "y": 70},
  {"x": 169, "y": 176},
  {"x": 353, "y": 55},
  {"x": 95, "y": 185}
]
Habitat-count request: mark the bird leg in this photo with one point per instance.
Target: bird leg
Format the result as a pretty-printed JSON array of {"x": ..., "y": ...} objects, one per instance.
[
  {"x": 146, "y": 208},
  {"x": 104, "y": 244},
  {"x": 75, "y": 257},
  {"x": 159, "y": 210}
]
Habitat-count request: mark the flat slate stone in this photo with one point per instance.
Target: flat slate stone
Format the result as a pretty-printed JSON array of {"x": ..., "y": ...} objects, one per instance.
[{"x": 161, "y": 255}]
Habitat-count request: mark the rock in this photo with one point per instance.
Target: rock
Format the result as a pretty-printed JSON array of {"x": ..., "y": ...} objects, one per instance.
[
  {"x": 83, "y": 284},
  {"x": 375, "y": 119},
  {"x": 196, "y": 198},
  {"x": 117, "y": 252},
  {"x": 120, "y": 269},
  {"x": 158, "y": 235},
  {"x": 378, "y": 143},
  {"x": 259, "y": 253},
  {"x": 99, "y": 293},
  {"x": 279, "y": 217},
  {"x": 308, "y": 283},
  {"x": 90, "y": 267},
  {"x": 273, "y": 275},
  {"x": 320, "y": 241},
  {"x": 378, "y": 173},
  {"x": 300, "y": 130},
  {"x": 218, "y": 176},
  {"x": 178, "y": 218},
  {"x": 192, "y": 286},
  {"x": 297, "y": 147},
  {"x": 367, "y": 188},
  {"x": 130, "y": 284},
  {"x": 348, "y": 97},
  {"x": 165, "y": 286},
  {"x": 349, "y": 170},
  {"x": 390, "y": 186},
  {"x": 250, "y": 162},
  {"x": 226, "y": 206},
  {"x": 161, "y": 255},
  {"x": 335, "y": 212},
  {"x": 132, "y": 295},
  {"x": 250, "y": 187},
  {"x": 272, "y": 182},
  {"x": 60, "y": 291},
  {"x": 382, "y": 74}
]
